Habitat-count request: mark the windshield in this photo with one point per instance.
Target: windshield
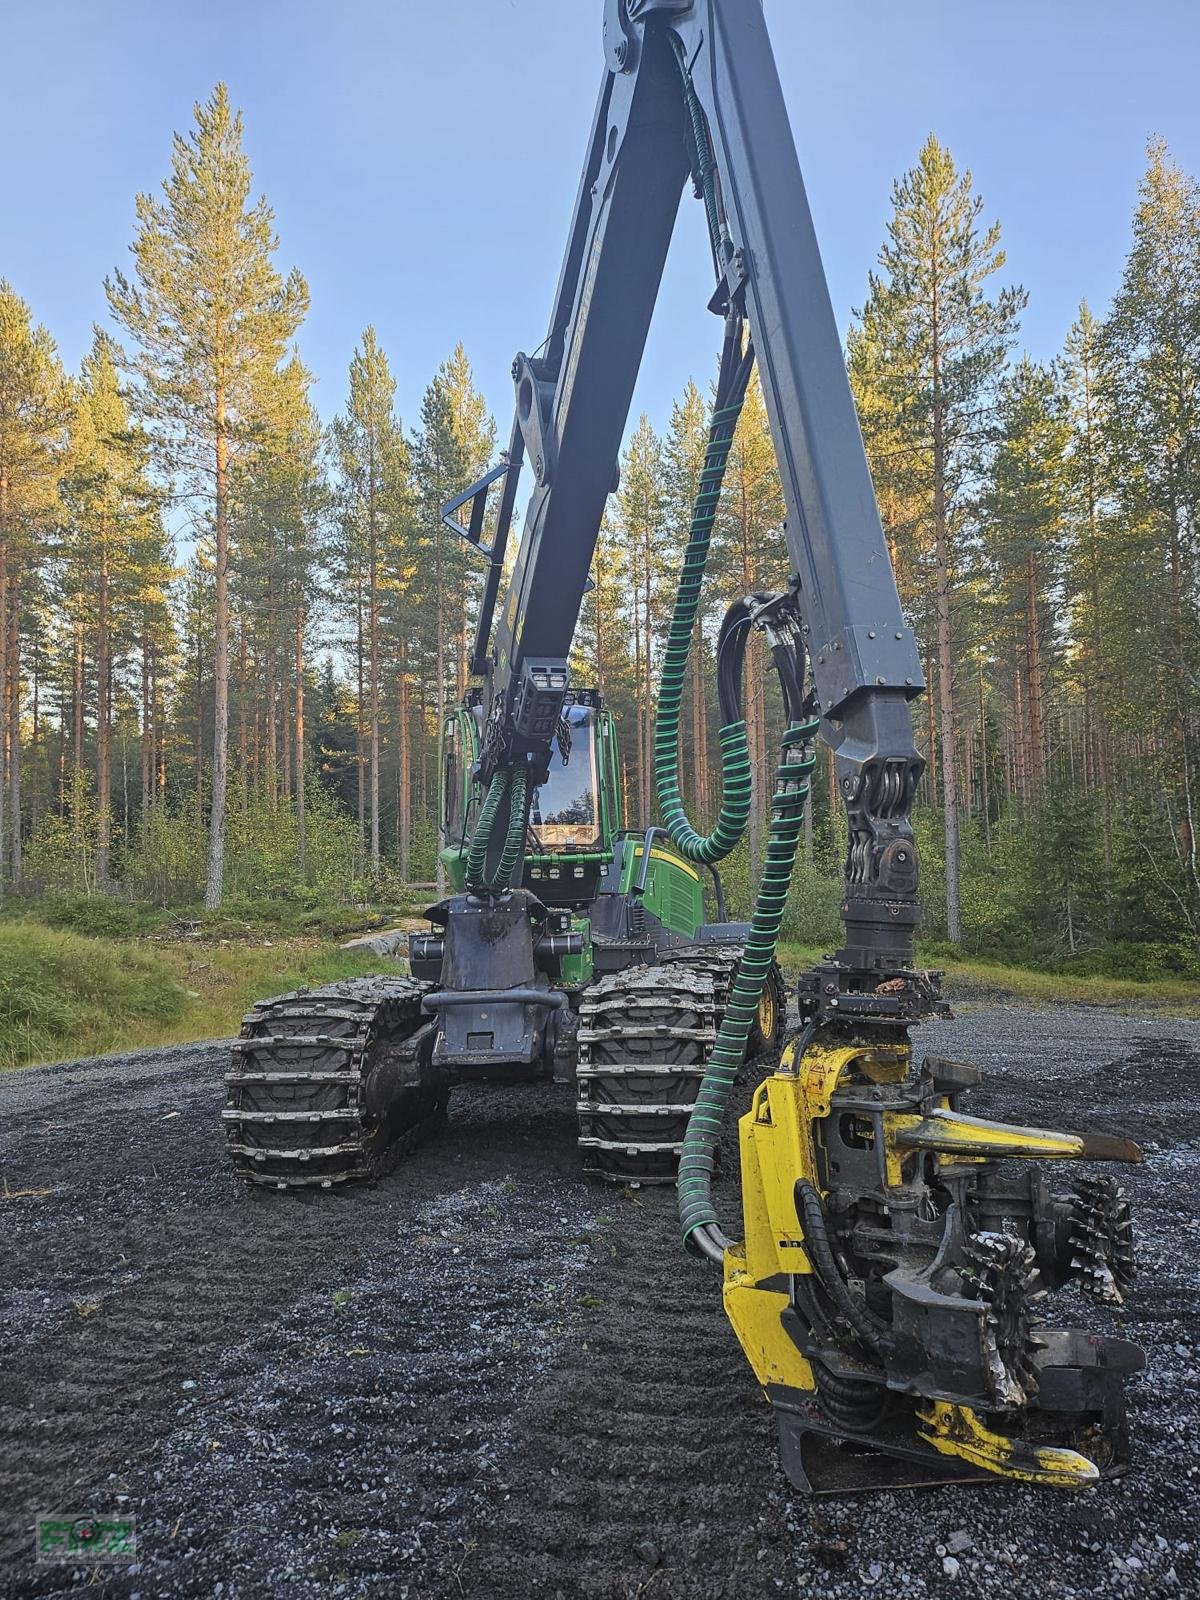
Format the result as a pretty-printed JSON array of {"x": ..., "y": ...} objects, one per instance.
[{"x": 566, "y": 807}]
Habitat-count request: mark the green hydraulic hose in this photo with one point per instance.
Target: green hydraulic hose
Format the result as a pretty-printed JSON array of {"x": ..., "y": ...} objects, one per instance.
[
  {"x": 735, "y": 753},
  {"x": 482, "y": 837},
  {"x": 509, "y": 783},
  {"x": 516, "y": 826},
  {"x": 736, "y": 787},
  {"x": 697, "y": 1213}
]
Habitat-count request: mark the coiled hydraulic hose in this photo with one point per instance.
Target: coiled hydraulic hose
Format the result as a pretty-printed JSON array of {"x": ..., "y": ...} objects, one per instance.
[
  {"x": 734, "y": 811},
  {"x": 697, "y": 1212},
  {"x": 509, "y": 784}
]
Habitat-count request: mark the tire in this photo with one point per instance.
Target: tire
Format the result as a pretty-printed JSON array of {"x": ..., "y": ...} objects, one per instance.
[{"x": 770, "y": 1023}]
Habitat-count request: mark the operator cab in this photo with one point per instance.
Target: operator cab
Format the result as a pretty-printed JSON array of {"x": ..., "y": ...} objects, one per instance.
[
  {"x": 565, "y": 813},
  {"x": 566, "y": 851}
]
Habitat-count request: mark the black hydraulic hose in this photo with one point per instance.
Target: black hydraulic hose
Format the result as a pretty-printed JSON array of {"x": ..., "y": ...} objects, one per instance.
[
  {"x": 872, "y": 1330},
  {"x": 518, "y": 794},
  {"x": 481, "y": 839}
]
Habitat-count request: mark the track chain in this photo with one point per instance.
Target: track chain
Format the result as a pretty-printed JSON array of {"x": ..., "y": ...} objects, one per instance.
[
  {"x": 721, "y": 962},
  {"x": 296, "y": 1112},
  {"x": 645, "y": 1036}
]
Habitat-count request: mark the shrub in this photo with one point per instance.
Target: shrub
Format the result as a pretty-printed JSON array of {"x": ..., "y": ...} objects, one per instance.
[{"x": 101, "y": 915}]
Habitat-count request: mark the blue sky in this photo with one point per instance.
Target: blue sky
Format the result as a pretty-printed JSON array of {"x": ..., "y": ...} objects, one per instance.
[{"x": 422, "y": 158}]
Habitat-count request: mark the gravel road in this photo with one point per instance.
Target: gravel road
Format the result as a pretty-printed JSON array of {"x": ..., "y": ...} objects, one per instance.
[{"x": 485, "y": 1377}]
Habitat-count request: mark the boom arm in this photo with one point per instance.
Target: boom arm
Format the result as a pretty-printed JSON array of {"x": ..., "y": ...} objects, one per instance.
[{"x": 573, "y": 403}]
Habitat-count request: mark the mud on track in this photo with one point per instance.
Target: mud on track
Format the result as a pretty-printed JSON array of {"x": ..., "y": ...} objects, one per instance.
[{"x": 484, "y": 1377}]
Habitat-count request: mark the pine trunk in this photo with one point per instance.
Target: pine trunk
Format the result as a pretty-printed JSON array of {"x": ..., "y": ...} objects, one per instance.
[
  {"x": 941, "y": 533},
  {"x": 147, "y": 741},
  {"x": 214, "y": 888},
  {"x": 301, "y": 817},
  {"x": 4, "y": 560},
  {"x": 243, "y": 717},
  {"x": 1033, "y": 657},
  {"x": 14, "y": 728},
  {"x": 373, "y": 648},
  {"x": 360, "y": 747},
  {"x": 103, "y": 717},
  {"x": 404, "y": 783},
  {"x": 440, "y": 686}
]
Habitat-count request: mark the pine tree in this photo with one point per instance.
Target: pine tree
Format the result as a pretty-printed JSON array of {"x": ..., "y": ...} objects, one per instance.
[
  {"x": 1152, "y": 383},
  {"x": 1089, "y": 574},
  {"x": 600, "y": 656},
  {"x": 112, "y": 526},
  {"x": 938, "y": 344},
  {"x": 211, "y": 317},
  {"x": 284, "y": 497},
  {"x": 373, "y": 469},
  {"x": 643, "y": 528},
  {"x": 1024, "y": 505},
  {"x": 450, "y": 449},
  {"x": 748, "y": 555},
  {"x": 683, "y": 461},
  {"x": 475, "y": 436},
  {"x": 34, "y": 408}
]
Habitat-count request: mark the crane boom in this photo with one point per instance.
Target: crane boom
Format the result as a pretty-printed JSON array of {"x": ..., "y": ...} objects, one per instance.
[{"x": 573, "y": 399}]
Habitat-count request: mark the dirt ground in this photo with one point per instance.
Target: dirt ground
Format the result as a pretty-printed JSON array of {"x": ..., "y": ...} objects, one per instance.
[{"x": 486, "y": 1377}]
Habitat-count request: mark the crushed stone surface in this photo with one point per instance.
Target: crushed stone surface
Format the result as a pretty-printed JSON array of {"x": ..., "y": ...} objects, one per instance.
[{"x": 485, "y": 1376}]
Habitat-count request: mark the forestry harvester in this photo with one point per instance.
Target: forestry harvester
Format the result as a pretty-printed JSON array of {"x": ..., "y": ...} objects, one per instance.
[{"x": 896, "y": 1253}]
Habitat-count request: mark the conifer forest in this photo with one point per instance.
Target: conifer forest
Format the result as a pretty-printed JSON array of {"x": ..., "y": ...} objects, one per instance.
[{"x": 232, "y": 627}]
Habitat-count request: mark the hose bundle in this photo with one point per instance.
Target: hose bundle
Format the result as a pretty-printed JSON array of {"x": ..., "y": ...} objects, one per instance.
[
  {"x": 508, "y": 788},
  {"x": 697, "y": 1212}
]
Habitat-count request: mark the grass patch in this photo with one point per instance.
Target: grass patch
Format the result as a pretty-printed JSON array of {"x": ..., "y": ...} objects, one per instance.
[
  {"x": 1181, "y": 995},
  {"x": 299, "y": 916},
  {"x": 222, "y": 982},
  {"x": 64, "y": 993},
  {"x": 971, "y": 979}
]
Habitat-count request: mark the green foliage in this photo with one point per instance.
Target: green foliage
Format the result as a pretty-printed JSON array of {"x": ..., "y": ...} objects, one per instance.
[
  {"x": 209, "y": 311},
  {"x": 812, "y": 915},
  {"x": 100, "y": 916},
  {"x": 165, "y": 865},
  {"x": 61, "y": 993}
]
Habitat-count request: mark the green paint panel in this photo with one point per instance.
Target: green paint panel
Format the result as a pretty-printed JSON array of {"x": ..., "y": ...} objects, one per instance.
[
  {"x": 674, "y": 888},
  {"x": 577, "y": 970}
]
